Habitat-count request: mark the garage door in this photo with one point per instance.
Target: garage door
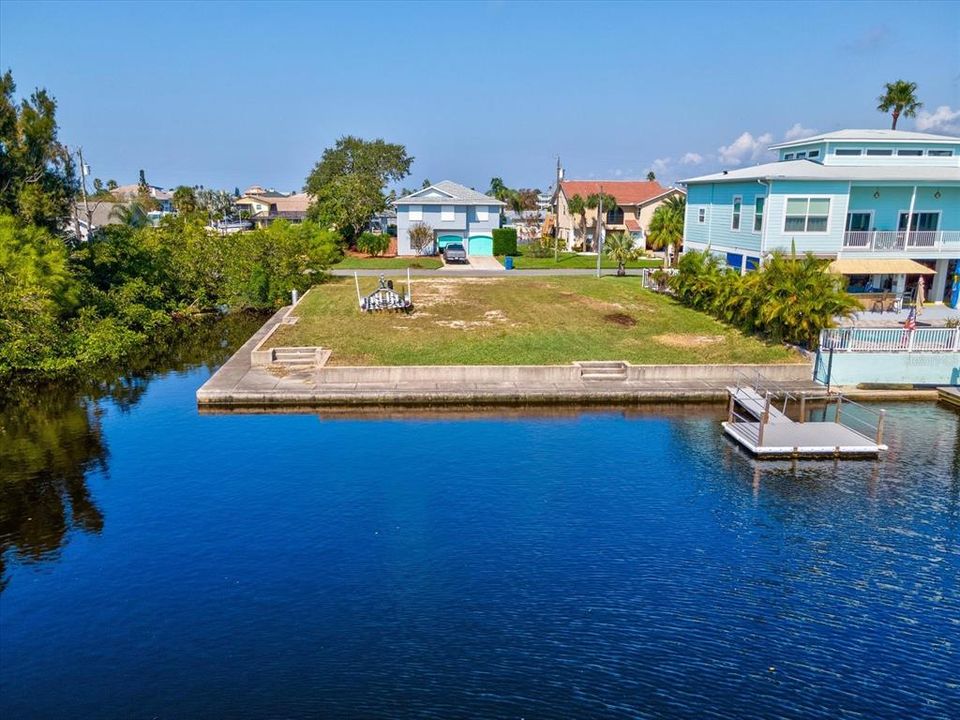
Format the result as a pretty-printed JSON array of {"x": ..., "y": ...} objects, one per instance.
[
  {"x": 480, "y": 245},
  {"x": 444, "y": 240}
]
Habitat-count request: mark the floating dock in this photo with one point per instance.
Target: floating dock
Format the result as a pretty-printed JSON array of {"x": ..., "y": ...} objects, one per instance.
[
  {"x": 949, "y": 396},
  {"x": 757, "y": 419}
]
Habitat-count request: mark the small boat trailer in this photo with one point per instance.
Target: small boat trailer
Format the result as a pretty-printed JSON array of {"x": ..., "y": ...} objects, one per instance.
[{"x": 385, "y": 298}]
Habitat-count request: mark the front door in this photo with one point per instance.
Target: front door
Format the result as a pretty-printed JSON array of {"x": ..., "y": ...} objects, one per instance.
[
  {"x": 922, "y": 221},
  {"x": 858, "y": 221}
]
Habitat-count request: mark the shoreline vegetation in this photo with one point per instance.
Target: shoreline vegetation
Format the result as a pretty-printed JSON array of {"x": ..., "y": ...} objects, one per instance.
[{"x": 520, "y": 321}]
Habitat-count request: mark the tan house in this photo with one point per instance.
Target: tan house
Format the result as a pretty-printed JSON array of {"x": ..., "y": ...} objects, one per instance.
[
  {"x": 265, "y": 206},
  {"x": 636, "y": 203}
]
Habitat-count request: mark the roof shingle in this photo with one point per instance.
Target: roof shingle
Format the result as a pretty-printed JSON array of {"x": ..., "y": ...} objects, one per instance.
[{"x": 627, "y": 192}]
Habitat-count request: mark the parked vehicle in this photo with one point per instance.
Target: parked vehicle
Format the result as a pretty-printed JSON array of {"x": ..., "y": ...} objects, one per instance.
[{"x": 454, "y": 253}]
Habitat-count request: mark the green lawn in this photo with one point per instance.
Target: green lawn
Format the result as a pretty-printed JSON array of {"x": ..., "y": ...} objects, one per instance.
[
  {"x": 572, "y": 261},
  {"x": 351, "y": 262},
  {"x": 518, "y": 321}
]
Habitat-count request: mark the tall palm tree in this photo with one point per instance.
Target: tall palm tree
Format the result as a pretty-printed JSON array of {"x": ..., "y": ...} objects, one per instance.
[
  {"x": 666, "y": 226},
  {"x": 578, "y": 206},
  {"x": 899, "y": 98},
  {"x": 598, "y": 201}
]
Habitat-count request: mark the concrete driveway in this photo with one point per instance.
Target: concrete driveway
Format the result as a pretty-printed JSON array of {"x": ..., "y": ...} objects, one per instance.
[{"x": 476, "y": 262}]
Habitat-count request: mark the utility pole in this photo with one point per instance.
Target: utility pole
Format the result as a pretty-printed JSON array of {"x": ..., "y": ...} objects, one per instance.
[{"x": 599, "y": 235}]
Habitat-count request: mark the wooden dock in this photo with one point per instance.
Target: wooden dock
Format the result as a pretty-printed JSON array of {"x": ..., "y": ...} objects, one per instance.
[
  {"x": 949, "y": 395},
  {"x": 757, "y": 419}
]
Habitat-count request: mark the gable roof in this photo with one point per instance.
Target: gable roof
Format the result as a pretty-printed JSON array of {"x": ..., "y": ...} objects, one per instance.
[
  {"x": 447, "y": 192},
  {"x": 811, "y": 170},
  {"x": 891, "y": 136},
  {"x": 627, "y": 192}
]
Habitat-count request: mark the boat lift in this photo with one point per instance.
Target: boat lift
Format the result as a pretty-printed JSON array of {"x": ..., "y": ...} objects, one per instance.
[
  {"x": 385, "y": 297},
  {"x": 757, "y": 419}
]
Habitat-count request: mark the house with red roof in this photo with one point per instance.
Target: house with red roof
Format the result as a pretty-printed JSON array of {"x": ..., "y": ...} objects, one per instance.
[{"x": 636, "y": 202}]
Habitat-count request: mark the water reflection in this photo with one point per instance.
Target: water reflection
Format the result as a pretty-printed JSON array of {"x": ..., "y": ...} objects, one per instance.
[{"x": 51, "y": 438}]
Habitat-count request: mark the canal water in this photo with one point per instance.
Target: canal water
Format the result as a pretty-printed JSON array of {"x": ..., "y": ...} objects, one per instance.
[{"x": 162, "y": 563}]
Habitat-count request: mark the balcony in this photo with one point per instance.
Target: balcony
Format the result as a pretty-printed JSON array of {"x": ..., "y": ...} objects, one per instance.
[{"x": 921, "y": 242}]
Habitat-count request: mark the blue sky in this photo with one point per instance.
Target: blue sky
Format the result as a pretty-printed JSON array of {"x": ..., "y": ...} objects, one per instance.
[{"x": 233, "y": 93}]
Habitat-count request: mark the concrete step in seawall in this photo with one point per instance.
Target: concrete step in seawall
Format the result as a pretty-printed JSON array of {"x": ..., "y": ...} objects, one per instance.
[
  {"x": 603, "y": 371},
  {"x": 297, "y": 357}
]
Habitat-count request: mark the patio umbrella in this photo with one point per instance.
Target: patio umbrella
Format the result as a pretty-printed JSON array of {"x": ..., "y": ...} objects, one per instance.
[{"x": 921, "y": 297}]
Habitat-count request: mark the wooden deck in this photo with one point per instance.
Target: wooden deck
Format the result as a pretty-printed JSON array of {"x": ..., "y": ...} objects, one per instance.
[{"x": 764, "y": 430}]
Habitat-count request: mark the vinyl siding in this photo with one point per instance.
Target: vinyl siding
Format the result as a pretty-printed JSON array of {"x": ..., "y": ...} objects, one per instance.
[{"x": 464, "y": 223}]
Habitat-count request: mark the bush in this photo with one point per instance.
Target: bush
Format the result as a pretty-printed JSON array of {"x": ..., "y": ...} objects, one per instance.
[
  {"x": 505, "y": 241},
  {"x": 373, "y": 244},
  {"x": 790, "y": 299},
  {"x": 421, "y": 237}
]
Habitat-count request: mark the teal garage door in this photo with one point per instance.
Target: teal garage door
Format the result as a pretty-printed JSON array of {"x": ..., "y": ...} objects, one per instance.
[
  {"x": 444, "y": 240},
  {"x": 480, "y": 245}
]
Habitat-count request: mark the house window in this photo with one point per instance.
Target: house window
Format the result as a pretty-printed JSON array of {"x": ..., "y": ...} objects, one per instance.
[
  {"x": 788, "y": 156},
  {"x": 849, "y": 152},
  {"x": 758, "y": 213},
  {"x": 806, "y": 215},
  {"x": 446, "y": 213},
  {"x": 909, "y": 153},
  {"x": 482, "y": 214},
  {"x": 939, "y": 153},
  {"x": 735, "y": 221},
  {"x": 880, "y": 151},
  {"x": 702, "y": 215},
  {"x": 859, "y": 221},
  {"x": 801, "y": 155},
  {"x": 615, "y": 216},
  {"x": 813, "y": 154},
  {"x": 416, "y": 212},
  {"x": 922, "y": 221}
]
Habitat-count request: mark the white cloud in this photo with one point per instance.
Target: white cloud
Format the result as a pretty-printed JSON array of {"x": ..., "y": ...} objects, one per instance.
[
  {"x": 618, "y": 172},
  {"x": 798, "y": 131},
  {"x": 943, "y": 119},
  {"x": 745, "y": 148},
  {"x": 691, "y": 158},
  {"x": 660, "y": 165}
]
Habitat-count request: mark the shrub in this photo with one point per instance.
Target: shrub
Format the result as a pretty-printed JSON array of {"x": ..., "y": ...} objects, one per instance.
[
  {"x": 505, "y": 241},
  {"x": 373, "y": 244},
  {"x": 421, "y": 237},
  {"x": 789, "y": 299}
]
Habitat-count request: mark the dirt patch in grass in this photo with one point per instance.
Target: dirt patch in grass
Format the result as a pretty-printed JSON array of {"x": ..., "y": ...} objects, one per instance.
[
  {"x": 688, "y": 341},
  {"x": 620, "y": 319}
]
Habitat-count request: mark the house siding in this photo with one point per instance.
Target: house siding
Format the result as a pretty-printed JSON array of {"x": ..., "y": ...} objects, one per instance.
[
  {"x": 716, "y": 231},
  {"x": 465, "y": 223}
]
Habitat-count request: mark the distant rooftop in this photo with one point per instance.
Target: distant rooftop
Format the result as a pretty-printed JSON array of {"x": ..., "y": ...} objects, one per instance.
[
  {"x": 626, "y": 192},
  {"x": 891, "y": 136},
  {"x": 810, "y": 170},
  {"x": 447, "y": 192}
]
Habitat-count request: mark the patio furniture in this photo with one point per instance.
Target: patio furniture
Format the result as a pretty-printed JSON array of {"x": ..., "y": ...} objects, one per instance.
[{"x": 898, "y": 302}]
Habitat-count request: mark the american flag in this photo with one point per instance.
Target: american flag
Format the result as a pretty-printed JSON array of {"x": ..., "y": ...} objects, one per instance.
[{"x": 911, "y": 322}]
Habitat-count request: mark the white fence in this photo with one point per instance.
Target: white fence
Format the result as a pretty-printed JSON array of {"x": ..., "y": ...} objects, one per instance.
[{"x": 891, "y": 340}]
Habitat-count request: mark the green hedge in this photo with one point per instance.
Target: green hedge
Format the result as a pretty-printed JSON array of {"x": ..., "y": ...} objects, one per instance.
[{"x": 505, "y": 241}]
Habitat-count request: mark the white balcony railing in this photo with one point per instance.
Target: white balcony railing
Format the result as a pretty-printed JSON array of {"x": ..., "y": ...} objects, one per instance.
[
  {"x": 885, "y": 240},
  {"x": 891, "y": 340}
]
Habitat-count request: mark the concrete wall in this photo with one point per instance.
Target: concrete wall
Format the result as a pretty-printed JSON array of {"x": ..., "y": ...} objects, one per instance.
[
  {"x": 926, "y": 368},
  {"x": 549, "y": 374}
]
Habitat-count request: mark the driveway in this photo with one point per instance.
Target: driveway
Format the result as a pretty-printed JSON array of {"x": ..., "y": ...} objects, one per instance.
[{"x": 477, "y": 262}]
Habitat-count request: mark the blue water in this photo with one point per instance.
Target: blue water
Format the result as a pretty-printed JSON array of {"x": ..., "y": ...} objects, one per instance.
[{"x": 162, "y": 563}]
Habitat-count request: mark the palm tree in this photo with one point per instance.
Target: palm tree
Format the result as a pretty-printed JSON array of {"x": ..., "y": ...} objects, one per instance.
[
  {"x": 578, "y": 206},
  {"x": 666, "y": 226},
  {"x": 899, "y": 98},
  {"x": 619, "y": 248},
  {"x": 651, "y": 176},
  {"x": 132, "y": 214},
  {"x": 598, "y": 201}
]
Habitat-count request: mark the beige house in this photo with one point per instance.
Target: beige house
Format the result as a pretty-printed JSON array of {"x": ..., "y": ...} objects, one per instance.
[
  {"x": 636, "y": 203},
  {"x": 262, "y": 207}
]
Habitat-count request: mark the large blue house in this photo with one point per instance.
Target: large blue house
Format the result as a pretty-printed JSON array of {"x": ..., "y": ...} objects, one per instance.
[
  {"x": 453, "y": 213},
  {"x": 846, "y": 196}
]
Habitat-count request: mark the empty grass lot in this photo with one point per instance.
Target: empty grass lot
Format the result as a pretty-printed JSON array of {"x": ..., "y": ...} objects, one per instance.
[
  {"x": 519, "y": 321},
  {"x": 352, "y": 262},
  {"x": 573, "y": 261}
]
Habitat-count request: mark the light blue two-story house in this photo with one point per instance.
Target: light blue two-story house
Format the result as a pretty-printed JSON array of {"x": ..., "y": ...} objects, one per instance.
[
  {"x": 453, "y": 213},
  {"x": 846, "y": 196}
]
